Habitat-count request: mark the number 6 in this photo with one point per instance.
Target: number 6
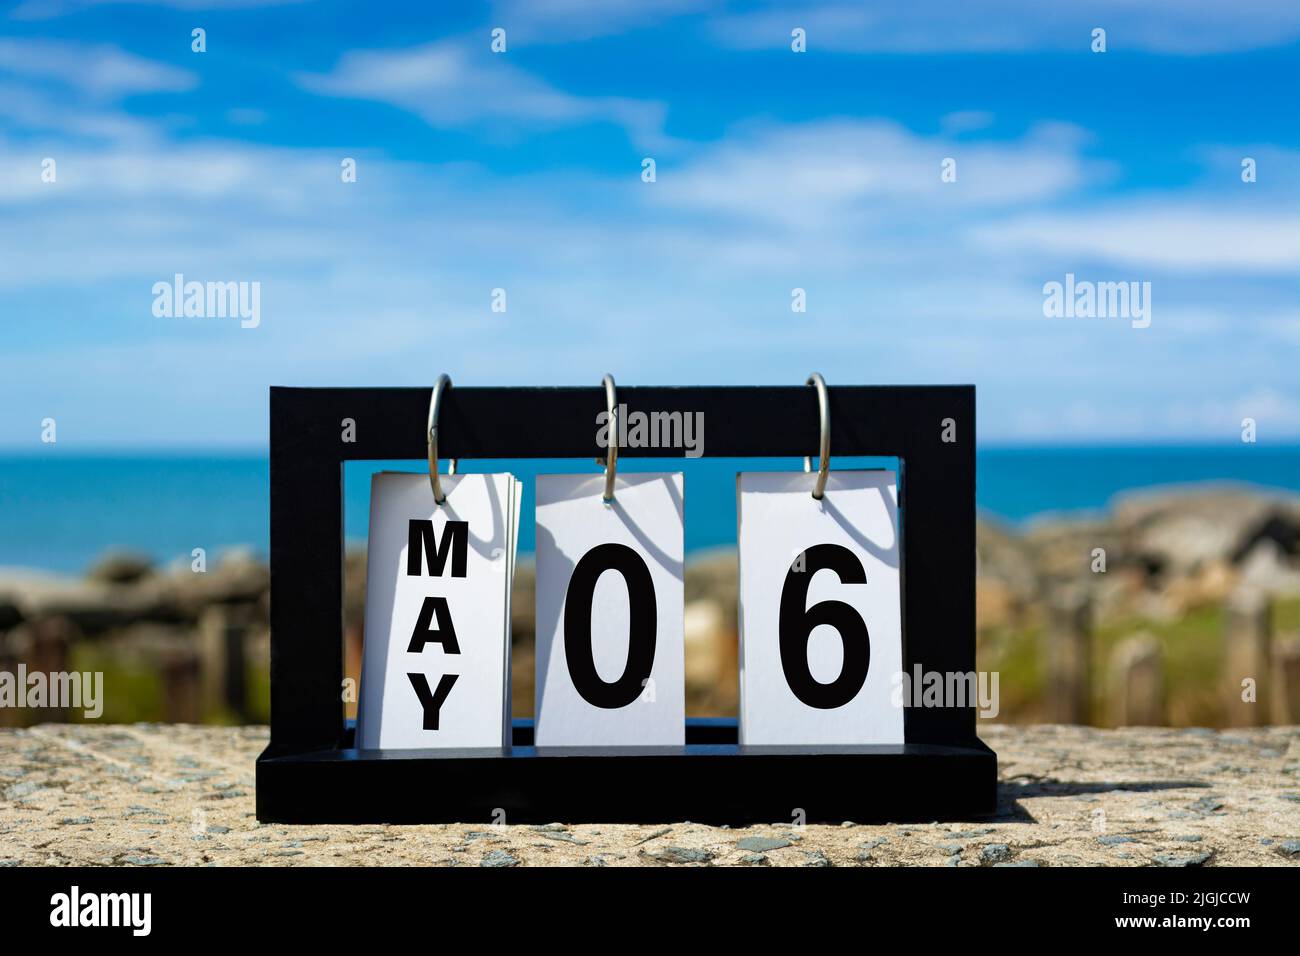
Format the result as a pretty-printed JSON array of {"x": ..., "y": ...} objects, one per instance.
[{"x": 797, "y": 622}]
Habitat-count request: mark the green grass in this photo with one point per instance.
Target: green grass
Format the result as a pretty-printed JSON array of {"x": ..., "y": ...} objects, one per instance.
[
  {"x": 1192, "y": 648},
  {"x": 133, "y": 691}
]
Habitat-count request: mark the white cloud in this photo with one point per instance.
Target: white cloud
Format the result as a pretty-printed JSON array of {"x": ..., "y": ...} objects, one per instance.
[
  {"x": 36, "y": 111},
  {"x": 114, "y": 179},
  {"x": 101, "y": 72},
  {"x": 1158, "y": 233},
  {"x": 461, "y": 83},
  {"x": 941, "y": 26},
  {"x": 1214, "y": 418},
  {"x": 69, "y": 92},
  {"x": 1285, "y": 327},
  {"x": 46, "y": 9},
  {"x": 843, "y": 172},
  {"x": 567, "y": 21}
]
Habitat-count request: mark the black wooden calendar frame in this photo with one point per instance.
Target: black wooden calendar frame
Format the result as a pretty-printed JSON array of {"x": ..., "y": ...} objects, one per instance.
[{"x": 311, "y": 772}]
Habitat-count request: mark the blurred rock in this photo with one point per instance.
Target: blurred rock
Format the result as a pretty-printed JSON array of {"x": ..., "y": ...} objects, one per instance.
[
  {"x": 94, "y": 606},
  {"x": 1062, "y": 548},
  {"x": 10, "y": 614},
  {"x": 1006, "y": 581},
  {"x": 714, "y": 574},
  {"x": 995, "y": 605},
  {"x": 712, "y": 647},
  {"x": 1279, "y": 526},
  {"x": 1182, "y": 527},
  {"x": 237, "y": 578},
  {"x": 120, "y": 567},
  {"x": 1117, "y": 592},
  {"x": 1266, "y": 568},
  {"x": 707, "y": 635}
]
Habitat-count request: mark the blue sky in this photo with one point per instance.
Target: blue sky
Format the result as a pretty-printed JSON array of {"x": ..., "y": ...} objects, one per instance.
[{"x": 775, "y": 170}]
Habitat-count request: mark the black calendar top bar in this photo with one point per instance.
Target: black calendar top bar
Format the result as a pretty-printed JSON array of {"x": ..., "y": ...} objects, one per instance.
[{"x": 739, "y": 421}]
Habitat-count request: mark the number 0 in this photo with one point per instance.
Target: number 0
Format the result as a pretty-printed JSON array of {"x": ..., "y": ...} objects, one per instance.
[
  {"x": 642, "y": 626},
  {"x": 798, "y": 620}
]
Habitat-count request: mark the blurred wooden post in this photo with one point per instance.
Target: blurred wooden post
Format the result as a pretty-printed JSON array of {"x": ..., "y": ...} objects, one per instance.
[
  {"x": 210, "y": 644},
  {"x": 182, "y": 698},
  {"x": 9, "y": 716},
  {"x": 1285, "y": 689},
  {"x": 1067, "y": 656},
  {"x": 223, "y": 630},
  {"x": 1136, "y": 684},
  {"x": 52, "y": 639},
  {"x": 235, "y": 688},
  {"x": 1246, "y": 655}
]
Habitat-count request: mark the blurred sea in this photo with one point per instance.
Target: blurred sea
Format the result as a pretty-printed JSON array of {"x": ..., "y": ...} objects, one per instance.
[{"x": 60, "y": 512}]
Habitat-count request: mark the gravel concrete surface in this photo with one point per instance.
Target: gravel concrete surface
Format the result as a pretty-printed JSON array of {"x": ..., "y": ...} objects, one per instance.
[{"x": 155, "y": 795}]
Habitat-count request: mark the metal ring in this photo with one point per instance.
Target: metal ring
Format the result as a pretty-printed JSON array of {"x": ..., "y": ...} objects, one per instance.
[
  {"x": 444, "y": 382},
  {"x": 611, "y": 450},
  {"x": 824, "y": 409}
]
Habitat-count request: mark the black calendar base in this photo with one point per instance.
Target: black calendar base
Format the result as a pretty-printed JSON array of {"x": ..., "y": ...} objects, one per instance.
[{"x": 710, "y": 780}]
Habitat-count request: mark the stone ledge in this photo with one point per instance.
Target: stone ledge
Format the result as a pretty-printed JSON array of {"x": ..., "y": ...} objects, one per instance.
[{"x": 162, "y": 795}]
